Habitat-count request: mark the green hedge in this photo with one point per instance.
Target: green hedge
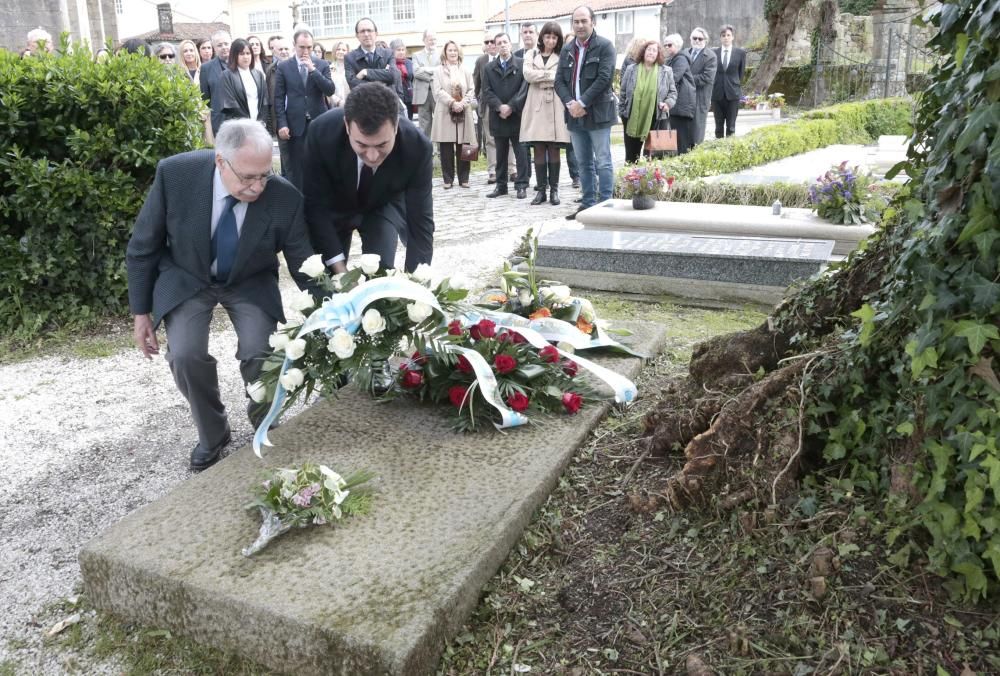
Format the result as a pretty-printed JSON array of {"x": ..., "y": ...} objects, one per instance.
[
  {"x": 861, "y": 122},
  {"x": 750, "y": 194},
  {"x": 80, "y": 145}
]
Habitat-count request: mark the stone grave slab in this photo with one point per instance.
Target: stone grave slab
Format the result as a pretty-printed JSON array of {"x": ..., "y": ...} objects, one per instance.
[
  {"x": 754, "y": 269},
  {"x": 732, "y": 220},
  {"x": 377, "y": 594}
]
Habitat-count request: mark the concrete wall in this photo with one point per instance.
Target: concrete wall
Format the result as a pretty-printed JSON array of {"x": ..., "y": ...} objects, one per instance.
[
  {"x": 83, "y": 19},
  {"x": 746, "y": 16}
]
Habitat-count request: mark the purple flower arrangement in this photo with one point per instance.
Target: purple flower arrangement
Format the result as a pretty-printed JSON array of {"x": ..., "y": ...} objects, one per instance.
[{"x": 839, "y": 195}]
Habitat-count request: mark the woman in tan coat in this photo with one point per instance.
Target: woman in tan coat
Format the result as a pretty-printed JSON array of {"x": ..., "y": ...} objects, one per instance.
[
  {"x": 452, "y": 124},
  {"x": 542, "y": 121}
]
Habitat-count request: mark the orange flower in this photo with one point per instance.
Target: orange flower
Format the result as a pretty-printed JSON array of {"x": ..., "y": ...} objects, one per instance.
[
  {"x": 497, "y": 298},
  {"x": 540, "y": 313},
  {"x": 584, "y": 326}
]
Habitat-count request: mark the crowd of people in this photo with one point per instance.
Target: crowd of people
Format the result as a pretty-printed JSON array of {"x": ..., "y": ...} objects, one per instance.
[{"x": 522, "y": 108}]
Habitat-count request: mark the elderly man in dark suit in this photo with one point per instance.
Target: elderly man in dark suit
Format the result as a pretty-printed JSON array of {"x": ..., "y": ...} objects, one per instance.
[
  {"x": 209, "y": 234},
  {"x": 300, "y": 90},
  {"x": 682, "y": 114},
  {"x": 583, "y": 84},
  {"x": 727, "y": 91},
  {"x": 703, "y": 67},
  {"x": 369, "y": 63},
  {"x": 504, "y": 90},
  {"x": 210, "y": 78},
  {"x": 367, "y": 169}
]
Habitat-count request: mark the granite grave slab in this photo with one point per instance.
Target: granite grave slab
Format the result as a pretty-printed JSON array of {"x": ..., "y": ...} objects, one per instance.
[{"x": 377, "y": 594}]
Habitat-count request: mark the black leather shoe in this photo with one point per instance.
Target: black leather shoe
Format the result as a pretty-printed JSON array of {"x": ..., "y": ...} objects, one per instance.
[
  {"x": 539, "y": 197},
  {"x": 498, "y": 191},
  {"x": 522, "y": 193},
  {"x": 256, "y": 414},
  {"x": 491, "y": 180},
  {"x": 576, "y": 182},
  {"x": 572, "y": 216},
  {"x": 553, "y": 197},
  {"x": 203, "y": 459}
]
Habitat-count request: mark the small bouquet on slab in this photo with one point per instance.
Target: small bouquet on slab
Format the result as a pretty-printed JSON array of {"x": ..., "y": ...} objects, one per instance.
[
  {"x": 644, "y": 183},
  {"x": 844, "y": 195},
  {"x": 310, "y": 495}
]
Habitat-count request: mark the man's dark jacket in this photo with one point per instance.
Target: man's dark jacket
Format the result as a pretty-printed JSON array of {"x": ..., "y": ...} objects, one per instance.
[
  {"x": 356, "y": 61},
  {"x": 681, "y": 66},
  {"x": 295, "y": 102},
  {"x": 727, "y": 80},
  {"x": 504, "y": 86},
  {"x": 210, "y": 81},
  {"x": 595, "y": 83},
  {"x": 330, "y": 186}
]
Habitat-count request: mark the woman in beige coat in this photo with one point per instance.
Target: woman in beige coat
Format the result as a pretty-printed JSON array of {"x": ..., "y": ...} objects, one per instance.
[
  {"x": 452, "y": 125},
  {"x": 542, "y": 121}
]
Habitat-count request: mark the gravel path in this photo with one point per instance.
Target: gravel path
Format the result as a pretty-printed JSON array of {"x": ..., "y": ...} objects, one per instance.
[{"x": 83, "y": 442}]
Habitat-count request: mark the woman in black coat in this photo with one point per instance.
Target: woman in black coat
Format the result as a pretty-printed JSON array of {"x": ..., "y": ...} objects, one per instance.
[
  {"x": 243, "y": 86},
  {"x": 682, "y": 114},
  {"x": 404, "y": 66}
]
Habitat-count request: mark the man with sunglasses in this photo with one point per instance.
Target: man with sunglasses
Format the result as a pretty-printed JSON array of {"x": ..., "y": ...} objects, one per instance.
[
  {"x": 208, "y": 235},
  {"x": 703, "y": 66},
  {"x": 485, "y": 135}
]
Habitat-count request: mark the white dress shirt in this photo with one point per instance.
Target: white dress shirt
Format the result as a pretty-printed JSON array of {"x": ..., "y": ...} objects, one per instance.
[{"x": 251, "y": 89}]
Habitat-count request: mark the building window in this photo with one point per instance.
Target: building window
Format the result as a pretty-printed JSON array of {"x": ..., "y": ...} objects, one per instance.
[
  {"x": 456, "y": 10},
  {"x": 403, "y": 11},
  {"x": 623, "y": 22},
  {"x": 264, "y": 21},
  {"x": 332, "y": 17},
  {"x": 119, "y": 7}
]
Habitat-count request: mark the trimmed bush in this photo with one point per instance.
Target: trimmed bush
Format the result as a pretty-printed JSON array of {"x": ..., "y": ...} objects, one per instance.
[
  {"x": 749, "y": 194},
  {"x": 80, "y": 145},
  {"x": 861, "y": 122}
]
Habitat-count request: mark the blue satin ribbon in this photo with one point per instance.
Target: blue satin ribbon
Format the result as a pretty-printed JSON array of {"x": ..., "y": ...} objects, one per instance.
[{"x": 490, "y": 389}]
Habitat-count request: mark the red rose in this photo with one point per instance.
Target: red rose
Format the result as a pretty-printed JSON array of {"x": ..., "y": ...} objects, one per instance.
[
  {"x": 463, "y": 364},
  {"x": 456, "y": 395},
  {"x": 487, "y": 328},
  {"x": 504, "y": 363},
  {"x": 570, "y": 368},
  {"x": 418, "y": 358},
  {"x": 549, "y": 354},
  {"x": 412, "y": 379},
  {"x": 455, "y": 328},
  {"x": 505, "y": 337},
  {"x": 518, "y": 402},
  {"x": 516, "y": 338},
  {"x": 572, "y": 402}
]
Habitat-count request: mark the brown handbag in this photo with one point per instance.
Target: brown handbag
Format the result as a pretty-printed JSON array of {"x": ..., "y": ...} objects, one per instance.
[
  {"x": 661, "y": 140},
  {"x": 467, "y": 152}
]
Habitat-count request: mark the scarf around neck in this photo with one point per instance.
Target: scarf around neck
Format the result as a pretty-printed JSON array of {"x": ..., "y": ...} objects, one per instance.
[{"x": 643, "y": 100}]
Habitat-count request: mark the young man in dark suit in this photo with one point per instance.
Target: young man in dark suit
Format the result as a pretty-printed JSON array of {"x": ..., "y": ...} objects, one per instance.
[
  {"x": 727, "y": 91},
  {"x": 503, "y": 91},
  {"x": 209, "y": 234},
  {"x": 300, "y": 92},
  {"x": 369, "y": 170},
  {"x": 210, "y": 78},
  {"x": 369, "y": 63},
  {"x": 703, "y": 67}
]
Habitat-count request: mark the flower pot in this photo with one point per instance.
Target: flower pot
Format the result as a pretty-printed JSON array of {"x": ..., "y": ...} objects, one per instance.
[
  {"x": 763, "y": 106},
  {"x": 776, "y": 113},
  {"x": 641, "y": 202}
]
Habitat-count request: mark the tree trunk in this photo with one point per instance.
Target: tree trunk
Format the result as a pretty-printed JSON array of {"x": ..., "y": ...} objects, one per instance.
[{"x": 780, "y": 26}]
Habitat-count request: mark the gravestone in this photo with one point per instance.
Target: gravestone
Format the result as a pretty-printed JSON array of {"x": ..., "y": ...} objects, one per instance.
[
  {"x": 710, "y": 267},
  {"x": 376, "y": 594}
]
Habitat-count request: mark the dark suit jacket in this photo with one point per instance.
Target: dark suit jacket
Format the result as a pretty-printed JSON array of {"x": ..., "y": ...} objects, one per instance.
[
  {"x": 210, "y": 81},
  {"x": 685, "y": 105},
  {"x": 504, "y": 86},
  {"x": 703, "y": 71},
  {"x": 354, "y": 63},
  {"x": 727, "y": 81},
  {"x": 169, "y": 255},
  {"x": 293, "y": 101},
  {"x": 234, "y": 97},
  {"x": 595, "y": 83},
  {"x": 330, "y": 186},
  {"x": 477, "y": 75}
]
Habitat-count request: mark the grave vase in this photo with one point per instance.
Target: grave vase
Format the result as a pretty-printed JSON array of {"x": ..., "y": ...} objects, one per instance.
[
  {"x": 776, "y": 113},
  {"x": 640, "y": 202}
]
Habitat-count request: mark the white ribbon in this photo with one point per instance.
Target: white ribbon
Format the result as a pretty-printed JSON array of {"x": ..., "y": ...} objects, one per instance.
[{"x": 490, "y": 389}]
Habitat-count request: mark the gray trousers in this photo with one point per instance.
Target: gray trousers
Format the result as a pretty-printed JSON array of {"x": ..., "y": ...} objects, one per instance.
[
  {"x": 194, "y": 369},
  {"x": 425, "y": 115}
]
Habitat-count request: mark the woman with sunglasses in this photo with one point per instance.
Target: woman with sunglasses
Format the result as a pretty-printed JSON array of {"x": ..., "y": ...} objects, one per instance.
[
  {"x": 166, "y": 53},
  {"x": 244, "y": 91}
]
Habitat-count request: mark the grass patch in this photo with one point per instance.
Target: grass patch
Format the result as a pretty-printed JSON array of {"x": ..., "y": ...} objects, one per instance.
[{"x": 101, "y": 338}]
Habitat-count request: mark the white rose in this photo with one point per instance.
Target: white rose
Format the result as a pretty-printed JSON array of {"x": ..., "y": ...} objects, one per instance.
[
  {"x": 558, "y": 294},
  {"x": 257, "y": 391},
  {"x": 586, "y": 310},
  {"x": 293, "y": 320},
  {"x": 361, "y": 280},
  {"x": 458, "y": 282},
  {"x": 336, "y": 281},
  {"x": 373, "y": 322},
  {"x": 423, "y": 273},
  {"x": 292, "y": 379},
  {"x": 341, "y": 343},
  {"x": 418, "y": 312},
  {"x": 278, "y": 341},
  {"x": 295, "y": 348},
  {"x": 524, "y": 297},
  {"x": 370, "y": 263},
  {"x": 313, "y": 266},
  {"x": 301, "y": 301}
]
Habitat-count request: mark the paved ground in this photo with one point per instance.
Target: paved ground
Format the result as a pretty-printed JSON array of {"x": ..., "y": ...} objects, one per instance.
[{"x": 85, "y": 441}]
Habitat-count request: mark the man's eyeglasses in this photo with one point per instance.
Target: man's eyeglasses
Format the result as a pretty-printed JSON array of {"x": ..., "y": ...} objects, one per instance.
[
  {"x": 693, "y": 39},
  {"x": 487, "y": 42},
  {"x": 250, "y": 180},
  {"x": 668, "y": 44},
  {"x": 165, "y": 57}
]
